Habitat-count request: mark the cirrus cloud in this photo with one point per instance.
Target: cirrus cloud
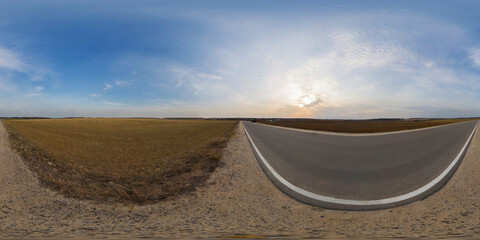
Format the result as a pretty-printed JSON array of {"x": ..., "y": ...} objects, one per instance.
[{"x": 10, "y": 60}]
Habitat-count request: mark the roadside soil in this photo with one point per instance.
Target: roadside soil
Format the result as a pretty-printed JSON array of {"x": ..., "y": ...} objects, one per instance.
[{"x": 237, "y": 200}]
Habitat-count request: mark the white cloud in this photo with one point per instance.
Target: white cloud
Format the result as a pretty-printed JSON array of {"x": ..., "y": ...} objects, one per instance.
[
  {"x": 197, "y": 91},
  {"x": 95, "y": 95},
  {"x": 33, "y": 95},
  {"x": 11, "y": 60},
  {"x": 429, "y": 64},
  {"x": 182, "y": 74},
  {"x": 39, "y": 73},
  {"x": 123, "y": 83},
  {"x": 19, "y": 78},
  {"x": 209, "y": 76},
  {"x": 114, "y": 103},
  {"x": 39, "y": 88},
  {"x": 353, "y": 49},
  {"x": 475, "y": 57},
  {"x": 107, "y": 87},
  {"x": 194, "y": 80},
  {"x": 35, "y": 91}
]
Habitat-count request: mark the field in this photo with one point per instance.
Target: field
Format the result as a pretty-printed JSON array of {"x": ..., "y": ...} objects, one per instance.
[
  {"x": 121, "y": 160},
  {"x": 362, "y": 126}
]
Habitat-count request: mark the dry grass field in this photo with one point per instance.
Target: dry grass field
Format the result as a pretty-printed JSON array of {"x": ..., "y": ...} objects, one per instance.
[
  {"x": 121, "y": 160},
  {"x": 362, "y": 126}
]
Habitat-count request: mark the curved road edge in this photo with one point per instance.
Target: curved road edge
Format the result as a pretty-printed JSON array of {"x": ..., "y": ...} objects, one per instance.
[{"x": 347, "y": 204}]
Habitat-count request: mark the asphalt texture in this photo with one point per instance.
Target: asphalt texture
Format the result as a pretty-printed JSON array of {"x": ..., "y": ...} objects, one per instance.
[{"x": 359, "y": 167}]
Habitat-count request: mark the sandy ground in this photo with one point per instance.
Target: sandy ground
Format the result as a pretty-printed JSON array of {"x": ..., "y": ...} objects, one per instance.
[{"x": 239, "y": 199}]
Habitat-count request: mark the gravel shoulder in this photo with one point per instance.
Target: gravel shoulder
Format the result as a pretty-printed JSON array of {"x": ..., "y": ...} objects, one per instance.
[{"x": 238, "y": 199}]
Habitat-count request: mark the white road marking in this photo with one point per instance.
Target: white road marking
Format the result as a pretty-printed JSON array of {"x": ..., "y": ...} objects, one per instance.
[{"x": 361, "y": 202}]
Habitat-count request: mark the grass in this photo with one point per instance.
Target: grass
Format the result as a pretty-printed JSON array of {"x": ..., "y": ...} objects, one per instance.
[
  {"x": 121, "y": 160},
  {"x": 362, "y": 126}
]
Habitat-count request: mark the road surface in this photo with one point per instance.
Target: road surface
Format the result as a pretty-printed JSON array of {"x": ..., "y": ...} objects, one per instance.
[{"x": 359, "y": 172}]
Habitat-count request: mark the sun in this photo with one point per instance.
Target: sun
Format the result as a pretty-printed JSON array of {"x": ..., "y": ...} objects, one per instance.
[{"x": 306, "y": 99}]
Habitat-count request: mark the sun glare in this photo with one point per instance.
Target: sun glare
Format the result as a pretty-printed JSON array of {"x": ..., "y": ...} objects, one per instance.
[{"x": 305, "y": 100}]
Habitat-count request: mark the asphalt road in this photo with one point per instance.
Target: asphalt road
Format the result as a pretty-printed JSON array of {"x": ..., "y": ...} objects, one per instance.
[{"x": 359, "y": 172}]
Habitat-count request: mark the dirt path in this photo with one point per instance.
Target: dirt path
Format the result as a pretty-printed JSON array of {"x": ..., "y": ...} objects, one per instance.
[{"x": 238, "y": 199}]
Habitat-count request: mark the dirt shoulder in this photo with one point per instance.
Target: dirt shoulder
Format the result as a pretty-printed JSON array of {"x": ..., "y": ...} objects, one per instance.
[{"x": 239, "y": 199}]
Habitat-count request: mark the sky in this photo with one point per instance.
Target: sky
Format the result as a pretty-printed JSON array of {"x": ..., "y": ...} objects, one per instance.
[{"x": 312, "y": 59}]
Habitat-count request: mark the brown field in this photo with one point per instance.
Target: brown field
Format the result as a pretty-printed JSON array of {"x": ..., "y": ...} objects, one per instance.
[
  {"x": 121, "y": 160},
  {"x": 362, "y": 126}
]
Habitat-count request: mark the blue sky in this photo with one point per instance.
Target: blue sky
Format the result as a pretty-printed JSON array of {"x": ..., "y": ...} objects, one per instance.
[{"x": 321, "y": 59}]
